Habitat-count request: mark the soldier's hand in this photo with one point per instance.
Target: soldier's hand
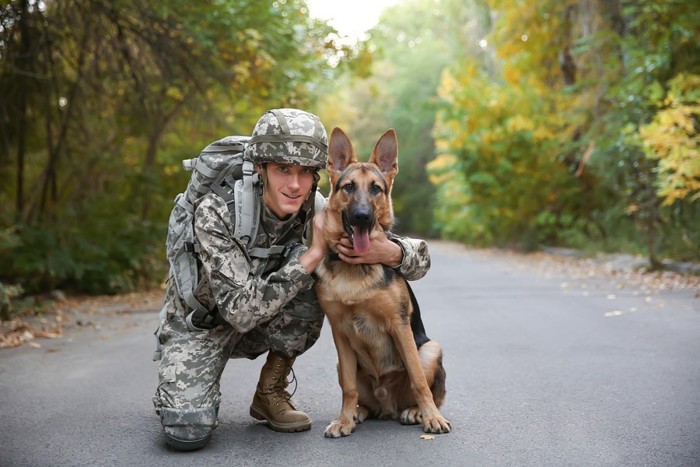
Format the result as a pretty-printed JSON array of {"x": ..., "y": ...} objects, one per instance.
[{"x": 318, "y": 248}]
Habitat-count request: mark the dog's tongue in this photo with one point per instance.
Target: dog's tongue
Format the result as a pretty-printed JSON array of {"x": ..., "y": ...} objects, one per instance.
[{"x": 360, "y": 239}]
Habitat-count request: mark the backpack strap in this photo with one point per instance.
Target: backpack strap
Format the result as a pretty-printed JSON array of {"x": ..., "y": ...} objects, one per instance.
[
  {"x": 243, "y": 203},
  {"x": 187, "y": 269},
  {"x": 248, "y": 208},
  {"x": 188, "y": 282},
  {"x": 274, "y": 250},
  {"x": 225, "y": 192}
]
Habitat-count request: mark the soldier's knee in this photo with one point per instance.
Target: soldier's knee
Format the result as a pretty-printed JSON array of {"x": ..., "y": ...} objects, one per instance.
[{"x": 188, "y": 429}]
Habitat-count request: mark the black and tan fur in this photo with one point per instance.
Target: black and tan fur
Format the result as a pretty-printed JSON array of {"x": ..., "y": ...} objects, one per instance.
[{"x": 387, "y": 366}]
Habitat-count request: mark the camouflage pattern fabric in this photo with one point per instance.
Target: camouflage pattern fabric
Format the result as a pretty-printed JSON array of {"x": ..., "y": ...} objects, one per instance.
[
  {"x": 289, "y": 136},
  {"x": 416, "y": 259},
  {"x": 265, "y": 304}
]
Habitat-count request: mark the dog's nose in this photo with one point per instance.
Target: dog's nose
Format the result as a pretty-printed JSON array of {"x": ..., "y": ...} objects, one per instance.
[{"x": 361, "y": 216}]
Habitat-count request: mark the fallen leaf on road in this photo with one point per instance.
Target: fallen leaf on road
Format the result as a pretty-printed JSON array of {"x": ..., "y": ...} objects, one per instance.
[
  {"x": 427, "y": 436},
  {"x": 613, "y": 313}
]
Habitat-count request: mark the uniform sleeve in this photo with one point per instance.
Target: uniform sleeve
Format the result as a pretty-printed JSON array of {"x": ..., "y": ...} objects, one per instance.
[
  {"x": 416, "y": 258},
  {"x": 244, "y": 299}
]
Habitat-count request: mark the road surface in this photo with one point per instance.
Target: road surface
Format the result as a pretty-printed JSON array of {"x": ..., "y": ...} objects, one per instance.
[{"x": 547, "y": 364}]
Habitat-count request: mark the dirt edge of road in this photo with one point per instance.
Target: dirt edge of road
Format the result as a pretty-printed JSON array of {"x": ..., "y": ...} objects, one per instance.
[{"x": 91, "y": 312}]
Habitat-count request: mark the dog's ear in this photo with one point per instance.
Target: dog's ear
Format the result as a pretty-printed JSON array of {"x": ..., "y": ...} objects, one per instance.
[
  {"x": 385, "y": 155},
  {"x": 340, "y": 154}
]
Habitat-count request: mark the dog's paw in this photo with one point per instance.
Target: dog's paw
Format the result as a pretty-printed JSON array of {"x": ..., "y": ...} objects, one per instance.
[
  {"x": 362, "y": 414},
  {"x": 437, "y": 424},
  {"x": 411, "y": 416},
  {"x": 339, "y": 428}
]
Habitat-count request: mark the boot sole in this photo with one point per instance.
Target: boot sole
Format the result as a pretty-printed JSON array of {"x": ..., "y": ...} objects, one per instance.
[{"x": 280, "y": 427}]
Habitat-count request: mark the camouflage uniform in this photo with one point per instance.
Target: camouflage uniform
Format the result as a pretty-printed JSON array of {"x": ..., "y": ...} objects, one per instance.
[{"x": 263, "y": 304}]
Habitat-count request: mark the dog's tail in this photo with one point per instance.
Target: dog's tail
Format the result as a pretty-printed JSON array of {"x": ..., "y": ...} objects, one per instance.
[{"x": 416, "y": 322}]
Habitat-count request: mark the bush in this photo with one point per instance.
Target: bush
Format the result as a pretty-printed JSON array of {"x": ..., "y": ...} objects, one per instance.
[{"x": 110, "y": 256}]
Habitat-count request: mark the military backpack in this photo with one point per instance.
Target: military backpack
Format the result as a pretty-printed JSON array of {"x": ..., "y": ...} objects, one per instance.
[{"x": 222, "y": 168}]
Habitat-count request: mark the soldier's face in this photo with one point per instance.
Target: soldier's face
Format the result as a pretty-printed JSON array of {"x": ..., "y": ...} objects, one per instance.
[{"x": 287, "y": 188}]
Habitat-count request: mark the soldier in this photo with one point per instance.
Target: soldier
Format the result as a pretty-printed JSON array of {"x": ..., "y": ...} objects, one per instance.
[{"x": 262, "y": 305}]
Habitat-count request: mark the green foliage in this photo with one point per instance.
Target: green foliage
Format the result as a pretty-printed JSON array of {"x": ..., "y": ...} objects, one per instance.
[
  {"x": 517, "y": 191},
  {"x": 573, "y": 127},
  {"x": 673, "y": 138},
  {"x": 540, "y": 122},
  {"x": 414, "y": 41},
  {"x": 101, "y": 102},
  {"x": 109, "y": 254},
  {"x": 8, "y": 292}
]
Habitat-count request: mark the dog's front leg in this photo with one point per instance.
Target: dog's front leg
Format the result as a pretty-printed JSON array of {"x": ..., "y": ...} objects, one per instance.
[
  {"x": 347, "y": 377},
  {"x": 433, "y": 421}
]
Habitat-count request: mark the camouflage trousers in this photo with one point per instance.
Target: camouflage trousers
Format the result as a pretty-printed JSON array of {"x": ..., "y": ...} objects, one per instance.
[{"x": 192, "y": 361}]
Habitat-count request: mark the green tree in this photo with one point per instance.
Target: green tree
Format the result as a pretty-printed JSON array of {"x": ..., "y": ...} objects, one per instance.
[
  {"x": 413, "y": 42},
  {"x": 103, "y": 100},
  {"x": 581, "y": 91}
]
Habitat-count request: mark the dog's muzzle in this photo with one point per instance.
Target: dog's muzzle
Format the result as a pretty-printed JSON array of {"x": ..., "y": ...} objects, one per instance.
[{"x": 358, "y": 222}]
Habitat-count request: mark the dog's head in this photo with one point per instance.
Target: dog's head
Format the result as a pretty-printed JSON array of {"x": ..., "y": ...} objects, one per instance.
[{"x": 360, "y": 201}]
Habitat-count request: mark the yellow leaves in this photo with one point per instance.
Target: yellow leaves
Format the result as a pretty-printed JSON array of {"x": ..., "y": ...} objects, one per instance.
[
  {"x": 519, "y": 123},
  {"x": 672, "y": 139},
  {"x": 447, "y": 85},
  {"x": 452, "y": 83},
  {"x": 440, "y": 169},
  {"x": 241, "y": 71},
  {"x": 249, "y": 38},
  {"x": 172, "y": 169},
  {"x": 441, "y": 145},
  {"x": 512, "y": 75},
  {"x": 175, "y": 93},
  {"x": 543, "y": 133}
]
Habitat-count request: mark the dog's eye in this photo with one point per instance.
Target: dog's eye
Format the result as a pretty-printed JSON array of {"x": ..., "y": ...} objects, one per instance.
[
  {"x": 375, "y": 189},
  {"x": 349, "y": 187}
]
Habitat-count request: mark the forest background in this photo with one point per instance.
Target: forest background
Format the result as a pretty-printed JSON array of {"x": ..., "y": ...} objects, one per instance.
[{"x": 571, "y": 123}]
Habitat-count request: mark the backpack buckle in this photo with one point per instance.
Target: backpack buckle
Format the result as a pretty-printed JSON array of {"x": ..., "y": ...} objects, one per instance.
[
  {"x": 288, "y": 249},
  {"x": 248, "y": 168}
]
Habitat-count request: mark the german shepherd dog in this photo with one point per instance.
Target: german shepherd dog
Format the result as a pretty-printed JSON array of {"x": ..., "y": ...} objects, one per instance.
[{"x": 387, "y": 366}]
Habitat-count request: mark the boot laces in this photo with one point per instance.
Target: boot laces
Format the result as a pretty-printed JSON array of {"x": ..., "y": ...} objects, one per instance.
[
  {"x": 281, "y": 385},
  {"x": 293, "y": 380}
]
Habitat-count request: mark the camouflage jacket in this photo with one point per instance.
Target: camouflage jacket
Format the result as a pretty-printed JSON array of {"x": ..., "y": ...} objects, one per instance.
[{"x": 251, "y": 291}]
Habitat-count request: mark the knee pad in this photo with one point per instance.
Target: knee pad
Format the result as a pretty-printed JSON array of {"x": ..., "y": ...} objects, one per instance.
[{"x": 188, "y": 429}]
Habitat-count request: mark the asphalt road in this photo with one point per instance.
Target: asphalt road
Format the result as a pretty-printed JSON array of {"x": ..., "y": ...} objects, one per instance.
[{"x": 545, "y": 366}]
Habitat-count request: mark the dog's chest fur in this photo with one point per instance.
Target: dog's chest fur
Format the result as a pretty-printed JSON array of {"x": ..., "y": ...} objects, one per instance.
[
  {"x": 356, "y": 299},
  {"x": 350, "y": 284}
]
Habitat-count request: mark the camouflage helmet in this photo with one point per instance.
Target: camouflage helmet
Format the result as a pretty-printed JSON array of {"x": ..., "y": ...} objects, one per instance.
[{"x": 289, "y": 136}]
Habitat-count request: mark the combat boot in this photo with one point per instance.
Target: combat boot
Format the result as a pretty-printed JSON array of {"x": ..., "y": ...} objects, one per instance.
[{"x": 272, "y": 402}]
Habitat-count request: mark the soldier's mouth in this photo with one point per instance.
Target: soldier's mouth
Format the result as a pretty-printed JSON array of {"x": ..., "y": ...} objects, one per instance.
[{"x": 291, "y": 196}]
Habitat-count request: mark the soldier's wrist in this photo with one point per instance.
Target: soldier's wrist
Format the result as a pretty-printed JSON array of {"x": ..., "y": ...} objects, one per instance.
[
  {"x": 397, "y": 255},
  {"x": 311, "y": 258}
]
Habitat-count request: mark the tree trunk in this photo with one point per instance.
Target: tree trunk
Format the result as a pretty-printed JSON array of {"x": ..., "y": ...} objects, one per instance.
[
  {"x": 23, "y": 63},
  {"x": 49, "y": 184},
  {"x": 148, "y": 165}
]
